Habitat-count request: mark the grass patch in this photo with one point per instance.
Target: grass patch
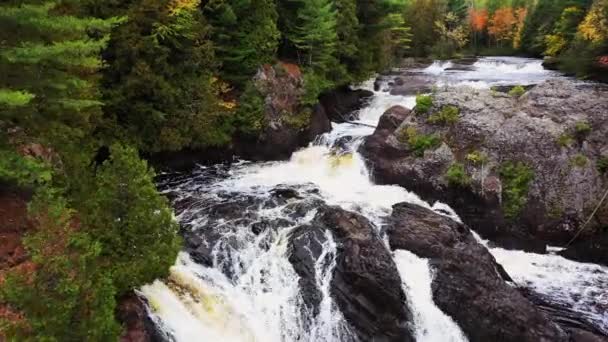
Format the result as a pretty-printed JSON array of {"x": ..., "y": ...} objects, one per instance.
[
  {"x": 423, "y": 103},
  {"x": 456, "y": 175},
  {"x": 517, "y": 91},
  {"x": 579, "y": 160},
  {"x": 448, "y": 115},
  {"x": 602, "y": 164},
  {"x": 477, "y": 158},
  {"x": 582, "y": 129},
  {"x": 417, "y": 142},
  {"x": 565, "y": 140},
  {"x": 516, "y": 179},
  {"x": 300, "y": 120}
]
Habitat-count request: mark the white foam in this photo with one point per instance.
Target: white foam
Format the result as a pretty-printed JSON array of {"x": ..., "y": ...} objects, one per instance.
[{"x": 431, "y": 324}]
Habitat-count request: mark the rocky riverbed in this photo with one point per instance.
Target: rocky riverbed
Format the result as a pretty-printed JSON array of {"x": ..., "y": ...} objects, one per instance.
[{"x": 369, "y": 234}]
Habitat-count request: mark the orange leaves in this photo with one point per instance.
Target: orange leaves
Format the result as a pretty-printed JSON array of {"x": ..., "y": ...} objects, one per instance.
[
  {"x": 507, "y": 24},
  {"x": 501, "y": 24},
  {"x": 520, "y": 22},
  {"x": 478, "y": 19}
]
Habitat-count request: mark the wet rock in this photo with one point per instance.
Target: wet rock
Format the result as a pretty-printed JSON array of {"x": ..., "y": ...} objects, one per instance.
[
  {"x": 460, "y": 67},
  {"x": 340, "y": 103},
  {"x": 505, "y": 88},
  {"x": 578, "y": 335},
  {"x": 413, "y": 85},
  {"x": 593, "y": 250},
  {"x": 366, "y": 284},
  {"x": 468, "y": 284},
  {"x": 305, "y": 248},
  {"x": 503, "y": 129},
  {"x": 571, "y": 321},
  {"x": 132, "y": 312}
]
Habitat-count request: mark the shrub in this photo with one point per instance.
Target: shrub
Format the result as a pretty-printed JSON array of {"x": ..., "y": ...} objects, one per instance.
[
  {"x": 457, "y": 176},
  {"x": 300, "y": 120},
  {"x": 418, "y": 142},
  {"x": 516, "y": 179},
  {"x": 517, "y": 91},
  {"x": 602, "y": 164},
  {"x": 25, "y": 171},
  {"x": 423, "y": 103},
  {"x": 249, "y": 115},
  {"x": 579, "y": 160},
  {"x": 314, "y": 85},
  {"x": 582, "y": 129},
  {"x": 477, "y": 157},
  {"x": 131, "y": 220},
  {"x": 565, "y": 140},
  {"x": 447, "y": 116},
  {"x": 65, "y": 297}
]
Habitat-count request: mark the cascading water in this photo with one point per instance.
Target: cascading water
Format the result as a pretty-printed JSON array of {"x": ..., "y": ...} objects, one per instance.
[{"x": 250, "y": 290}]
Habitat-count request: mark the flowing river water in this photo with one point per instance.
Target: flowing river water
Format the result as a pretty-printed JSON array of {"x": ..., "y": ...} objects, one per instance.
[{"x": 249, "y": 291}]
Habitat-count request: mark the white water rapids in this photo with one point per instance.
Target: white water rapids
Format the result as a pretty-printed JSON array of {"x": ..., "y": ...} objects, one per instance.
[{"x": 251, "y": 291}]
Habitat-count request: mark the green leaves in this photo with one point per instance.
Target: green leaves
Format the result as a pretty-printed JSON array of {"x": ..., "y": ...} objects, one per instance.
[
  {"x": 23, "y": 170},
  {"x": 15, "y": 98},
  {"x": 131, "y": 221},
  {"x": 516, "y": 179}
]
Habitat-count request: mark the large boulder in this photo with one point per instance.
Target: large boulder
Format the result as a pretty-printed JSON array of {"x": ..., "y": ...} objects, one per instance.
[
  {"x": 556, "y": 133},
  {"x": 366, "y": 284},
  {"x": 468, "y": 284},
  {"x": 342, "y": 103},
  {"x": 132, "y": 312},
  {"x": 288, "y": 124}
]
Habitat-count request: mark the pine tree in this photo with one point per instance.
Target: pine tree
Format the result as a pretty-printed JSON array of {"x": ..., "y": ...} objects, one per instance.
[
  {"x": 48, "y": 65},
  {"x": 63, "y": 296},
  {"x": 245, "y": 36},
  {"x": 160, "y": 83},
  {"x": 131, "y": 221},
  {"x": 347, "y": 26},
  {"x": 315, "y": 35}
]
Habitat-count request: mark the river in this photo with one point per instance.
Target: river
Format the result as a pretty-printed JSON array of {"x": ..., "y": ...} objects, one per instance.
[{"x": 250, "y": 291}]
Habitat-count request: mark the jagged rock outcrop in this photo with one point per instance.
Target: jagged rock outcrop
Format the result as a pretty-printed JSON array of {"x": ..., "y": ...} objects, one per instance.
[
  {"x": 366, "y": 284},
  {"x": 342, "y": 102},
  {"x": 468, "y": 284},
  {"x": 132, "y": 312},
  {"x": 555, "y": 135}
]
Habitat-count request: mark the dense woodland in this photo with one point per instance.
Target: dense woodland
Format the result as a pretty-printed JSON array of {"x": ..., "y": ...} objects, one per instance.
[{"x": 88, "y": 87}]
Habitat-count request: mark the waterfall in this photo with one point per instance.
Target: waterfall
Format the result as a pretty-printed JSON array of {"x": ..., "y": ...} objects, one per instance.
[{"x": 250, "y": 292}]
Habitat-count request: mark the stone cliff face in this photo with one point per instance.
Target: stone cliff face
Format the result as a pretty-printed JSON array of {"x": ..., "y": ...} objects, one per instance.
[
  {"x": 288, "y": 123},
  {"x": 518, "y": 169}
]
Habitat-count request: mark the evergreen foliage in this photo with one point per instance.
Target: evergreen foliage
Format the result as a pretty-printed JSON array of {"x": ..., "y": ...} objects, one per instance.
[
  {"x": 131, "y": 221},
  {"x": 65, "y": 297},
  {"x": 245, "y": 36},
  {"x": 160, "y": 87}
]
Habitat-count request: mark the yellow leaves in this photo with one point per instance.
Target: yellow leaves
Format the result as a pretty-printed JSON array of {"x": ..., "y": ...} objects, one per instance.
[
  {"x": 555, "y": 44},
  {"x": 594, "y": 27},
  {"x": 179, "y": 5}
]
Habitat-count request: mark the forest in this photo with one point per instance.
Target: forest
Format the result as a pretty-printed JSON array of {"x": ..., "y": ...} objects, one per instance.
[{"x": 89, "y": 89}]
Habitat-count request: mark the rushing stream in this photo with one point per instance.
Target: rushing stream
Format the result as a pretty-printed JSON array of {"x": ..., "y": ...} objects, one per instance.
[{"x": 250, "y": 291}]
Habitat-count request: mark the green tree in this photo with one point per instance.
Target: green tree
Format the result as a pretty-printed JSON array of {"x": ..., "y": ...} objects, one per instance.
[
  {"x": 315, "y": 35},
  {"x": 245, "y": 36},
  {"x": 564, "y": 30},
  {"x": 131, "y": 221},
  {"x": 63, "y": 296},
  {"x": 423, "y": 16},
  {"x": 48, "y": 66},
  {"x": 347, "y": 26},
  {"x": 159, "y": 87}
]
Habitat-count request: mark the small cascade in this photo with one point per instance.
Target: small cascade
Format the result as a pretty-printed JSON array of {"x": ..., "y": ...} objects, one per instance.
[{"x": 432, "y": 325}]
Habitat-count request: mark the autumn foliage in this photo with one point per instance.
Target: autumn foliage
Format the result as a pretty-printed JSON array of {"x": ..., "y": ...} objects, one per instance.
[{"x": 478, "y": 19}]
